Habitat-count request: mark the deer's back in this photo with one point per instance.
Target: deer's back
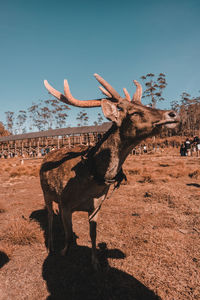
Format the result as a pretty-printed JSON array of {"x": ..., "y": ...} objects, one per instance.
[{"x": 58, "y": 167}]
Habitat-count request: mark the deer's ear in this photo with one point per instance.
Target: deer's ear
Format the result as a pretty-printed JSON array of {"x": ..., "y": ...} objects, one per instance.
[{"x": 110, "y": 111}]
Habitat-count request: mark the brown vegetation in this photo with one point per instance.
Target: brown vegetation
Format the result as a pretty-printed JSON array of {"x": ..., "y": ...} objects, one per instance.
[
  {"x": 3, "y": 131},
  {"x": 17, "y": 168},
  {"x": 22, "y": 232},
  {"x": 148, "y": 233},
  {"x": 195, "y": 174},
  {"x": 25, "y": 171}
]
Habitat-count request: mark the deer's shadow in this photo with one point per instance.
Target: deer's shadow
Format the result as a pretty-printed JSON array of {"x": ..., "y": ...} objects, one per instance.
[
  {"x": 73, "y": 277},
  {"x": 194, "y": 184},
  {"x": 4, "y": 259}
]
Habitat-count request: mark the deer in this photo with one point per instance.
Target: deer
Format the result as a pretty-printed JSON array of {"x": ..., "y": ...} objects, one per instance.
[{"x": 79, "y": 179}]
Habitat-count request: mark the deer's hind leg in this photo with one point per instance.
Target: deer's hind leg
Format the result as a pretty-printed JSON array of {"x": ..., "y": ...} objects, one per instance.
[
  {"x": 49, "y": 206},
  {"x": 66, "y": 215}
]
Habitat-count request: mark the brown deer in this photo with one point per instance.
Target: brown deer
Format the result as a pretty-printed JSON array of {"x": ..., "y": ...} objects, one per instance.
[{"x": 79, "y": 180}]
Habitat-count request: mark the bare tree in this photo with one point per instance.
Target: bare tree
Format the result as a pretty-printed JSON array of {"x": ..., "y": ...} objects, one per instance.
[
  {"x": 61, "y": 118},
  {"x": 99, "y": 119},
  {"x": 20, "y": 121},
  {"x": 154, "y": 87},
  {"x": 83, "y": 118},
  {"x": 48, "y": 116},
  {"x": 10, "y": 120},
  {"x": 188, "y": 108}
]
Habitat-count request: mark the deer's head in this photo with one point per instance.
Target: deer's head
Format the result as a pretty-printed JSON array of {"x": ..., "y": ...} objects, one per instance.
[{"x": 134, "y": 119}]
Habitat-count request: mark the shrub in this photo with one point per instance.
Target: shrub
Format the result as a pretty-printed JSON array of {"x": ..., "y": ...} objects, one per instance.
[
  {"x": 25, "y": 171},
  {"x": 134, "y": 171},
  {"x": 195, "y": 174},
  {"x": 22, "y": 232},
  {"x": 147, "y": 178}
]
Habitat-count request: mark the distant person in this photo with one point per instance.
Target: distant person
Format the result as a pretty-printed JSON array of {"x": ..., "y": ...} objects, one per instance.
[
  {"x": 145, "y": 149},
  {"x": 197, "y": 145},
  {"x": 182, "y": 149},
  {"x": 188, "y": 147},
  {"x": 99, "y": 136},
  {"x": 198, "y": 148},
  {"x": 42, "y": 152}
]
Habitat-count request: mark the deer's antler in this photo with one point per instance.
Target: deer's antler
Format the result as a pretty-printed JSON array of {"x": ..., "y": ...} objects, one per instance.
[
  {"x": 105, "y": 92},
  {"x": 138, "y": 94},
  {"x": 69, "y": 99},
  {"x": 108, "y": 90},
  {"x": 80, "y": 103},
  {"x": 108, "y": 87},
  {"x": 126, "y": 93}
]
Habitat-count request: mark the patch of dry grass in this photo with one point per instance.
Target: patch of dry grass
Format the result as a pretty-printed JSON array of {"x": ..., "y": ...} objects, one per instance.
[
  {"x": 2, "y": 208},
  {"x": 134, "y": 171},
  {"x": 7, "y": 169},
  {"x": 22, "y": 232},
  {"x": 148, "y": 178},
  {"x": 25, "y": 171},
  {"x": 147, "y": 174},
  {"x": 184, "y": 171},
  {"x": 15, "y": 169},
  {"x": 195, "y": 174},
  {"x": 179, "y": 170},
  {"x": 154, "y": 225},
  {"x": 161, "y": 195},
  {"x": 180, "y": 163}
]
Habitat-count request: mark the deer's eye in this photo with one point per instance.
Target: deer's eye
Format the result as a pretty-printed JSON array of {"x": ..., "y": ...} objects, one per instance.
[
  {"x": 136, "y": 113},
  {"x": 119, "y": 108}
]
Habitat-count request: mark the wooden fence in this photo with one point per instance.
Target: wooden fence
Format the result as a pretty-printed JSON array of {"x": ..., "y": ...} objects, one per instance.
[{"x": 35, "y": 143}]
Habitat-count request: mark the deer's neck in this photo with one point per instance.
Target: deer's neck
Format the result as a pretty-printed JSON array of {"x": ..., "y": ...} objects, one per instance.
[{"x": 111, "y": 153}]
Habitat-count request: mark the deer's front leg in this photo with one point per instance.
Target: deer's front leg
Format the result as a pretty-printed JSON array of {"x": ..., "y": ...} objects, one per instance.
[{"x": 93, "y": 216}]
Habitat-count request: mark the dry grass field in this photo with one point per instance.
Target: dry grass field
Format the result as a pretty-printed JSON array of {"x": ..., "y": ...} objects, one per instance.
[{"x": 148, "y": 236}]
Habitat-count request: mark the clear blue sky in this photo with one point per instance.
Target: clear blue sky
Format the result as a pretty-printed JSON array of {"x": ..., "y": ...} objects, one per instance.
[{"x": 120, "y": 40}]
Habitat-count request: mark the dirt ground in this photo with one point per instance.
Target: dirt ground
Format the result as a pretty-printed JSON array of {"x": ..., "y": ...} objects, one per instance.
[{"x": 148, "y": 236}]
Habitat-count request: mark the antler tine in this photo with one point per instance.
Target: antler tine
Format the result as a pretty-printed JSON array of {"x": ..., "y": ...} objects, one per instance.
[
  {"x": 138, "y": 94},
  {"x": 108, "y": 87},
  {"x": 105, "y": 92},
  {"x": 55, "y": 93},
  {"x": 68, "y": 98},
  {"x": 80, "y": 103},
  {"x": 126, "y": 93}
]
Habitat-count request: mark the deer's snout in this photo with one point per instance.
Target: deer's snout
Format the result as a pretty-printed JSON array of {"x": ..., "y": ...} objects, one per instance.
[
  {"x": 172, "y": 114},
  {"x": 169, "y": 119}
]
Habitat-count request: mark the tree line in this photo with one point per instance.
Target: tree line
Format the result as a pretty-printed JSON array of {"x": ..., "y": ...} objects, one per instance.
[
  {"x": 51, "y": 114},
  {"x": 44, "y": 115}
]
